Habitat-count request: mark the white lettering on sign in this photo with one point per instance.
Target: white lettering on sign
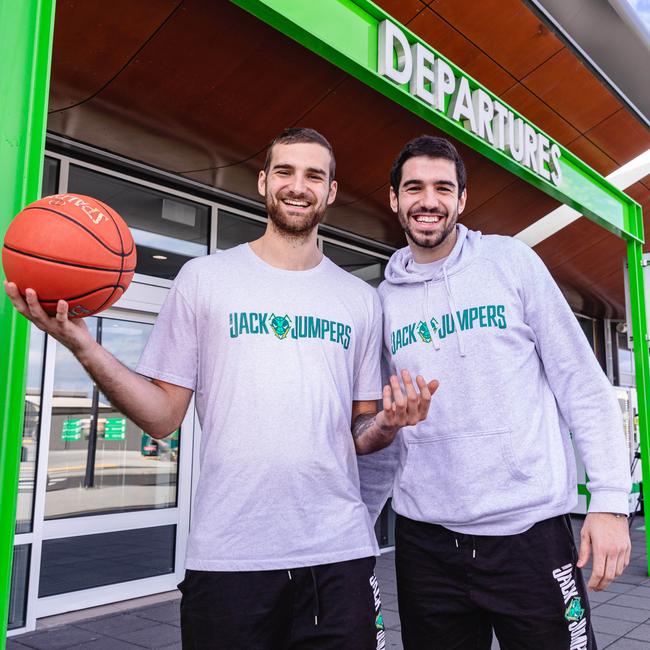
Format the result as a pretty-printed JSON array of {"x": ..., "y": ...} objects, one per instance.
[
  {"x": 432, "y": 80},
  {"x": 94, "y": 214}
]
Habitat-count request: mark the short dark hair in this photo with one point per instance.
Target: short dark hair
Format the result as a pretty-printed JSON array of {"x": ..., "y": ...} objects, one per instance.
[
  {"x": 432, "y": 147},
  {"x": 298, "y": 135}
]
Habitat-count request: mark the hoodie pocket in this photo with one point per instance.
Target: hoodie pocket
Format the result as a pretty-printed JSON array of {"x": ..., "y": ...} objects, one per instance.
[{"x": 463, "y": 477}]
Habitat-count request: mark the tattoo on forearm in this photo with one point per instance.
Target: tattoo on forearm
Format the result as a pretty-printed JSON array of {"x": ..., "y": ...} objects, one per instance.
[{"x": 362, "y": 423}]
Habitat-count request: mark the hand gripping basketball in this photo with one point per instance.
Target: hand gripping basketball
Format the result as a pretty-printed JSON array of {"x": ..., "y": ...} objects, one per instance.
[{"x": 70, "y": 247}]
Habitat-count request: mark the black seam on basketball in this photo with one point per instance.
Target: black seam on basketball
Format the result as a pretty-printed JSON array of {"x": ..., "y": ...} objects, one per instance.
[
  {"x": 83, "y": 295},
  {"x": 111, "y": 214},
  {"x": 64, "y": 263},
  {"x": 119, "y": 234},
  {"x": 88, "y": 230}
]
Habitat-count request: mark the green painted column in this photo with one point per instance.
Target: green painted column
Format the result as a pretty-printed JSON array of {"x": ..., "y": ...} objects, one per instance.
[
  {"x": 641, "y": 358},
  {"x": 26, "y": 28}
]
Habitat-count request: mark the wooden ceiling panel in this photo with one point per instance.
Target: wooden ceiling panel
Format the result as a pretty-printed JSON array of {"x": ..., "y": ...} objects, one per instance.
[
  {"x": 570, "y": 241},
  {"x": 182, "y": 86},
  {"x": 511, "y": 210},
  {"x": 506, "y": 30},
  {"x": 587, "y": 151},
  {"x": 621, "y": 136},
  {"x": 459, "y": 49},
  {"x": 83, "y": 58},
  {"x": 521, "y": 99},
  {"x": 402, "y": 10},
  {"x": 566, "y": 85}
]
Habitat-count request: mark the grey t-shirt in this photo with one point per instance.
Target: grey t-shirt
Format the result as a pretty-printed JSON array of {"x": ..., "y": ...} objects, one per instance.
[{"x": 275, "y": 358}]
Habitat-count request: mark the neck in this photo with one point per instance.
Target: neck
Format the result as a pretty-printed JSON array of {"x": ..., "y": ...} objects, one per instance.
[
  {"x": 424, "y": 255},
  {"x": 286, "y": 251}
]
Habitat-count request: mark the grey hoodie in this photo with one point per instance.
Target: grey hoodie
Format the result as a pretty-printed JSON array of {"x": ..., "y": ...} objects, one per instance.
[{"x": 516, "y": 375}]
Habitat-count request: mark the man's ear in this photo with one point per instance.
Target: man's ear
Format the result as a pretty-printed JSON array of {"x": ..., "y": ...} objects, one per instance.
[
  {"x": 331, "y": 197},
  {"x": 261, "y": 182},
  {"x": 394, "y": 204},
  {"x": 462, "y": 200}
]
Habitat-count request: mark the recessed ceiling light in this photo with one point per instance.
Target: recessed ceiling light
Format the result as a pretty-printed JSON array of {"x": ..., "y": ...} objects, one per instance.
[{"x": 159, "y": 257}]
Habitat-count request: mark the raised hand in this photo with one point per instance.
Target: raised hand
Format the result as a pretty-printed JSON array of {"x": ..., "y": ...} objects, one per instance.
[
  {"x": 373, "y": 431},
  {"x": 405, "y": 410}
]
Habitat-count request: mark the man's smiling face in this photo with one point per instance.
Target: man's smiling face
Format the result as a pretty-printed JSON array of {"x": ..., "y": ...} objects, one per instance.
[
  {"x": 297, "y": 188},
  {"x": 427, "y": 202}
]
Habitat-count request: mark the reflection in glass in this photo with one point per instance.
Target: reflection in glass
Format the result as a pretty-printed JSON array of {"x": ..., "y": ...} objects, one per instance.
[
  {"x": 32, "y": 417},
  {"x": 74, "y": 563},
  {"x": 233, "y": 230},
  {"x": 19, "y": 581},
  {"x": 363, "y": 265},
  {"x": 99, "y": 460},
  {"x": 168, "y": 230}
]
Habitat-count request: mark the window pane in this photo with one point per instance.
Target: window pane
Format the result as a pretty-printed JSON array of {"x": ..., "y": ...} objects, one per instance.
[
  {"x": 363, "y": 265},
  {"x": 19, "y": 581},
  {"x": 87, "y": 561},
  {"x": 29, "y": 449},
  {"x": 232, "y": 230},
  {"x": 50, "y": 176},
  {"x": 100, "y": 461},
  {"x": 167, "y": 229}
]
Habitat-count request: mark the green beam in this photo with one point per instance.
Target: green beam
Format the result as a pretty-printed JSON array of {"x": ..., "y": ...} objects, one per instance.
[
  {"x": 26, "y": 29},
  {"x": 641, "y": 358},
  {"x": 345, "y": 32}
]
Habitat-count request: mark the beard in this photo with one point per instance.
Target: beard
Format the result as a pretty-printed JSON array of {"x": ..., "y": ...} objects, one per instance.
[
  {"x": 293, "y": 223},
  {"x": 433, "y": 239}
]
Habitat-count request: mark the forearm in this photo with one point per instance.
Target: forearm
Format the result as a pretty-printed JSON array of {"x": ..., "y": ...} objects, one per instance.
[
  {"x": 369, "y": 436},
  {"x": 147, "y": 404}
]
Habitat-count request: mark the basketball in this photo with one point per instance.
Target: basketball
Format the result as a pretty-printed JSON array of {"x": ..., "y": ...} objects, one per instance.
[{"x": 70, "y": 247}]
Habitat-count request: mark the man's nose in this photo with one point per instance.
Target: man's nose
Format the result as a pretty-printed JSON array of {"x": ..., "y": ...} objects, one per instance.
[{"x": 298, "y": 183}]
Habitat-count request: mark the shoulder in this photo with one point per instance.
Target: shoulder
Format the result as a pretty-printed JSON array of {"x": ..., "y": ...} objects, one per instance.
[
  {"x": 509, "y": 251},
  {"x": 349, "y": 282}
]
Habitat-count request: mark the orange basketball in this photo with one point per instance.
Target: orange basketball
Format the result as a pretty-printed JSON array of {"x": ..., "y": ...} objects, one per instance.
[{"x": 70, "y": 247}]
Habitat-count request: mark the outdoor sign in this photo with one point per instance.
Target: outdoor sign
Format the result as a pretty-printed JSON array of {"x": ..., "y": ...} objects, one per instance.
[
  {"x": 365, "y": 41},
  {"x": 71, "y": 430},
  {"x": 432, "y": 79},
  {"x": 114, "y": 428}
]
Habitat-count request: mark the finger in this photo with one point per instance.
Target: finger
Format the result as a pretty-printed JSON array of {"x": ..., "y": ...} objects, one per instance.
[
  {"x": 621, "y": 563},
  {"x": 16, "y": 298},
  {"x": 62, "y": 311},
  {"x": 35, "y": 309},
  {"x": 398, "y": 397},
  {"x": 425, "y": 397},
  {"x": 585, "y": 550},
  {"x": 598, "y": 570},
  {"x": 411, "y": 398},
  {"x": 609, "y": 572},
  {"x": 387, "y": 397},
  {"x": 433, "y": 386}
]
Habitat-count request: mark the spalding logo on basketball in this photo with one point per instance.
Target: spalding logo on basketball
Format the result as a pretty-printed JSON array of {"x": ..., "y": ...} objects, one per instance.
[{"x": 70, "y": 247}]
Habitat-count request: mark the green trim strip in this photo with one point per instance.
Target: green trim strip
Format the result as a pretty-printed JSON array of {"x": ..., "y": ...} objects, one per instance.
[
  {"x": 346, "y": 32},
  {"x": 26, "y": 30}
]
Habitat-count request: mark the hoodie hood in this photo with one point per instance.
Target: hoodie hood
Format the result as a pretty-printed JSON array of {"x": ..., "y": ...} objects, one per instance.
[{"x": 400, "y": 270}]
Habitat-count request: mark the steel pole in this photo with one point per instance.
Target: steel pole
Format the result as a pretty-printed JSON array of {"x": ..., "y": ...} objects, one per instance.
[{"x": 26, "y": 29}]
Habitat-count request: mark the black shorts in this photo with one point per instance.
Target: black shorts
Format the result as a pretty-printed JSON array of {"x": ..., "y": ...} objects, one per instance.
[
  {"x": 325, "y": 607},
  {"x": 454, "y": 590}
]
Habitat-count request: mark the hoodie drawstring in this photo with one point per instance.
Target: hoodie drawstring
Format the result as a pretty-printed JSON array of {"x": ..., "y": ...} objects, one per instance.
[
  {"x": 454, "y": 315},
  {"x": 434, "y": 338},
  {"x": 316, "y": 606}
]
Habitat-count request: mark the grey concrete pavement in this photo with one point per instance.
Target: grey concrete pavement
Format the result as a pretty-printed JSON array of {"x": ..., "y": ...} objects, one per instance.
[{"x": 621, "y": 616}]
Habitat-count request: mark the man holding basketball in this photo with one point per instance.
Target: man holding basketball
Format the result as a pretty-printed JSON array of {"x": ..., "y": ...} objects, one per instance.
[{"x": 282, "y": 350}]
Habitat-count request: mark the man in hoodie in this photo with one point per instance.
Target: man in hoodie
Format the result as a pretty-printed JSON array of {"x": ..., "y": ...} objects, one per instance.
[{"x": 484, "y": 485}]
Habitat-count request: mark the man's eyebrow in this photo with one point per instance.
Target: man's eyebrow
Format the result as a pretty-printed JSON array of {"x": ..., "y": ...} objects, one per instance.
[
  {"x": 288, "y": 167},
  {"x": 282, "y": 166},
  {"x": 418, "y": 181},
  {"x": 316, "y": 170}
]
